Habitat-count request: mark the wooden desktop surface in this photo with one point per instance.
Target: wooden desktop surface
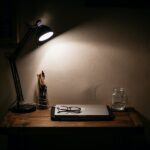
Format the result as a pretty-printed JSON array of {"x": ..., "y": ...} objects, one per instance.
[
  {"x": 39, "y": 131},
  {"x": 41, "y": 118}
]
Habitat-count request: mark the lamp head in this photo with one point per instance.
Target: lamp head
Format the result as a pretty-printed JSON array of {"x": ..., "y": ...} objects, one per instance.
[{"x": 43, "y": 32}]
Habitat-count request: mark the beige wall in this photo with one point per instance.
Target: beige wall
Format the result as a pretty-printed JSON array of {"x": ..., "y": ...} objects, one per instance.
[{"x": 94, "y": 50}]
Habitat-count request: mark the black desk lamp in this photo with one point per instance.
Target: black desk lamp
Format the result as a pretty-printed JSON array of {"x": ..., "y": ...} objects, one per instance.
[{"x": 43, "y": 33}]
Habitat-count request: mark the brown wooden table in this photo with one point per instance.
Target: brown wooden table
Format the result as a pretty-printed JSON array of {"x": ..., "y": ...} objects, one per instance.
[
  {"x": 41, "y": 118},
  {"x": 39, "y": 131}
]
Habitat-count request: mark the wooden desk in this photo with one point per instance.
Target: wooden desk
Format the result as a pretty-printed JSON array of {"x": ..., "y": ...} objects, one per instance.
[
  {"x": 41, "y": 118},
  {"x": 39, "y": 131}
]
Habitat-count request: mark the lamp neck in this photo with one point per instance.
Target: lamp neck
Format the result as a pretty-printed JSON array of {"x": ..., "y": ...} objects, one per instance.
[
  {"x": 22, "y": 43},
  {"x": 12, "y": 60}
]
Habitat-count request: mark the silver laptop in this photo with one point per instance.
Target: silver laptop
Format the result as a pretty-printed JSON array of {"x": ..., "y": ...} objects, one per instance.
[{"x": 81, "y": 112}]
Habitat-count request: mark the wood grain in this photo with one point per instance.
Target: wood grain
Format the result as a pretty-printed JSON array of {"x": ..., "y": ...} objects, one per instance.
[{"x": 41, "y": 118}]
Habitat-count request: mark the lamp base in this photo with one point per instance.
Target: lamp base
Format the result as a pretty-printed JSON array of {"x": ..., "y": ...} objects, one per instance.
[{"x": 23, "y": 108}]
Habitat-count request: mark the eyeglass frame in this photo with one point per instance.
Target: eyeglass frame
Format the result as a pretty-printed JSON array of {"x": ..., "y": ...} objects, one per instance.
[{"x": 69, "y": 109}]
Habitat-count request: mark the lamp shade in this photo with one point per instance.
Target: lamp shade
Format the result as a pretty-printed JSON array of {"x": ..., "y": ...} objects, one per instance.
[{"x": 44, "y": 33}]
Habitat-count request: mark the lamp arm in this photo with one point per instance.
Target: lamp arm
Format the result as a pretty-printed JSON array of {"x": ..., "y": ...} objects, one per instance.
[
  {"x": 22, "y": 42},
  {"x": 19, "y": 95},
  {"x": 20, "y": 107},
  {"x": 12, "y": 61}
]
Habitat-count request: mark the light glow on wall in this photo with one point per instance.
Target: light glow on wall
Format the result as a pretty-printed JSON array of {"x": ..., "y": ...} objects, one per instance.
[
  {"x": 72, "y": 62},
  {"x": 75, "y": 63}
]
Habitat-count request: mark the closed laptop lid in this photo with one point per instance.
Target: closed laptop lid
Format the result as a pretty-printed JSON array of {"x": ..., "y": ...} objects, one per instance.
[{"x": 78, "y": 112}]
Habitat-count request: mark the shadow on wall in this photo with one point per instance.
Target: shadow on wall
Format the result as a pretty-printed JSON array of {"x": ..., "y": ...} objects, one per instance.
[
  {"x": 61, "y": 16},
  {"x": 117, "y": 25},
  {"x": 6, "y": 85}
]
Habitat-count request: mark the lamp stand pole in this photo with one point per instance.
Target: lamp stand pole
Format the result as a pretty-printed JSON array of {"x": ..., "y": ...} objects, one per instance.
[{"x": 20, "y": 108}]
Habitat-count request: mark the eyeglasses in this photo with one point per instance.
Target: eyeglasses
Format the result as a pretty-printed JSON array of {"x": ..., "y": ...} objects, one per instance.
[{"x": 69, "y": 109}]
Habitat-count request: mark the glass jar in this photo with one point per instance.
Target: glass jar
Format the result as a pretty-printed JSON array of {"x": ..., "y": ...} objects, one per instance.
[{"x": 119, "y": 99}]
